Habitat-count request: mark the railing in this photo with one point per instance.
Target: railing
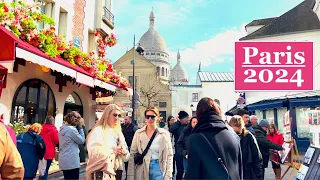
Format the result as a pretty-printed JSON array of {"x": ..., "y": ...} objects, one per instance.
[{"x": 108, "y": 15}]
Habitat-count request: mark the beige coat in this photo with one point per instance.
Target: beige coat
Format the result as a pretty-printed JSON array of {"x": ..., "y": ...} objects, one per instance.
[
  {"x": 11, "y": 166},
  {"x": 101, "y": 155},
  {"x": 139, "y": 143}
]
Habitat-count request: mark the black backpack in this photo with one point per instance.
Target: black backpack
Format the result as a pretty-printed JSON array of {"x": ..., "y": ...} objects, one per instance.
[{"x": 39, "y": 143}]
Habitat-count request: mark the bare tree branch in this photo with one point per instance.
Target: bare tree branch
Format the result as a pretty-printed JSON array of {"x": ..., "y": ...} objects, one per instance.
[{"x": 150, "y": 91}]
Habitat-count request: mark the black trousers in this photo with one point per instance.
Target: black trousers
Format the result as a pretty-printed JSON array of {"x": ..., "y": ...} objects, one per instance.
[
  {"x": 174, "y": 166},
  {"x": 72, "y": 174},
  {"x": 179, "y": 163},
  {"x": 126, "y": 167}
]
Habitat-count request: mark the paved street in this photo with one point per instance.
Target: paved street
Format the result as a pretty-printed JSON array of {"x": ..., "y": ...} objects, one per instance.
[{"x": 269, "y": 175}]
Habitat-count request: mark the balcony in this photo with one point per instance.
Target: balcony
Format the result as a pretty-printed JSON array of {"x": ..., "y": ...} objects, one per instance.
[{"x": 107, "y": 17}]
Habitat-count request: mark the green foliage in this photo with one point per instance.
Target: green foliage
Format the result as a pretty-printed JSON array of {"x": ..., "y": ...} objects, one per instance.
[{"x": 18, "y": 127}]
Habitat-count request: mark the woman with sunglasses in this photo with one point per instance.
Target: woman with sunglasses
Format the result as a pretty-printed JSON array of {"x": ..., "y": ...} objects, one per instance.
[
  {"x": 106, "y": 146},
  {"x": 157, "y": 163}
]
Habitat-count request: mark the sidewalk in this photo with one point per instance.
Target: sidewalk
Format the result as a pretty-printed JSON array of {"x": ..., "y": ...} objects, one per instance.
[{"x": 58, "y": 174}]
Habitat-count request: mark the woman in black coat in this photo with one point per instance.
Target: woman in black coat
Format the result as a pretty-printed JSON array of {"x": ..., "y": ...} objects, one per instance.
[
  {"x": 211, "y": 131},
  {"x": 251, "y": 156},
  {"x": 182, "y": 144}
]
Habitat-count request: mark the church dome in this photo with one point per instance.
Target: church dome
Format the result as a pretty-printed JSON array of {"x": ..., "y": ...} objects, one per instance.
[
  {"x": 178, "y": 73},
  {"x": 151, "y": 40}
]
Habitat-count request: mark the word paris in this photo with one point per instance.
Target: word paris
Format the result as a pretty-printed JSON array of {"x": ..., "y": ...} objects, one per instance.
[{"x": 274, "y": 66}]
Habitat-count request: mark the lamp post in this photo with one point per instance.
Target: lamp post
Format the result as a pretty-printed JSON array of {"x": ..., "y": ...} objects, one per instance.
[{"x": 140, "y": 50}]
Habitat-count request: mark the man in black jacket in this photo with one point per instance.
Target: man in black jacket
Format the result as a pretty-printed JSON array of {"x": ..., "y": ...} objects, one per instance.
[
  {"x": 128, "y": 130},
  {"x": 245, "y": 116},
  {"x": 176, "y": 129},
  {"x": 264, "y": 144}
]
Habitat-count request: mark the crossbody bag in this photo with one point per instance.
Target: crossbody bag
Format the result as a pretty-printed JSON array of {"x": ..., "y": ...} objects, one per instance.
[
  {"x": 138, "y": 158},
  {"x": 218, "y": 157}
]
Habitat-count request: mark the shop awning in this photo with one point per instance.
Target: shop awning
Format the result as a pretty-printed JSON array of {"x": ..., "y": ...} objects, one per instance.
[
  {"x": 265, "y": 105},
  {"x": 311, "y": 98},
  {"x": 13, "y": 47},
  {"x": 234, "y": 109}
]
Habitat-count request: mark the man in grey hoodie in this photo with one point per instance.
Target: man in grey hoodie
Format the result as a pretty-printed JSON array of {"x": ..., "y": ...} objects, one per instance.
[{"x": 70, "y": 136}]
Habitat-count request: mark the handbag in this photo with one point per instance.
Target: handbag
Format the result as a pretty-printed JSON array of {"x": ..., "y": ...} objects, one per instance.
[
  {"x": 138, "y": 158},
  {"x": 42, "y": 167},
  {"x": 219, "y": 159}
]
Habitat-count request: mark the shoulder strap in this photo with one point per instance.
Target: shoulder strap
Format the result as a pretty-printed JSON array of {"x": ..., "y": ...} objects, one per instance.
[
  {"x": 215, "y": 152},
  {"x": 150, "y": 142},
  {"x": 32, "y": 135}
]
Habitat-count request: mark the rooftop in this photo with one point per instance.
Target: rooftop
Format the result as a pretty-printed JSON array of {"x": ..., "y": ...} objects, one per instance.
[
  {"x": 216, "y": 76},
  {"x": 299, "y": 19},
  {"x": 259, "y": 22}
]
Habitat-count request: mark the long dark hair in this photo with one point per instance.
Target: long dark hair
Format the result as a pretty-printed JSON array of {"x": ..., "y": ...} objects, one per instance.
[
  {"x": 168, "y": 120},
  {"x": 207, "y": 105}
]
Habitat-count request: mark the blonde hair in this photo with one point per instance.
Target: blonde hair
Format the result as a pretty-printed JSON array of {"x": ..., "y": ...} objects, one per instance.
[
  {"x": 103, "y": 121},
  {"x": 36, "y": 127},
  {"x": 237, "y": 121}
]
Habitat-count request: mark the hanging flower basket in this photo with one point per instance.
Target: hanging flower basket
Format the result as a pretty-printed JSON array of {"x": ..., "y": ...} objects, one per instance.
[{"x": 22, "y": 20}]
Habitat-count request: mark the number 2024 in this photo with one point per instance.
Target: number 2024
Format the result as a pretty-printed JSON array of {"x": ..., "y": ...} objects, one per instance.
[{"x": 282, "y": 73}]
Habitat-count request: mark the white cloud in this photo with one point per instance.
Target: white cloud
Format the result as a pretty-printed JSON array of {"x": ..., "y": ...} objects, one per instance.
[
  {"x": 210, "y": 51},
  {"x": 219, "y": 60}
]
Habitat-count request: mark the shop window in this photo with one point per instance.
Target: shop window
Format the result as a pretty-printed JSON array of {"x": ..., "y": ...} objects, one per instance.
[
  {"x": 259, "y": 114},
  {"x": 302, "y": 119},
  {"x": 162, "y": 71},
  {"x": 158, "y": 71},
  {"x": 270, "y": 116},
  {"x": 280, "y": 114},
  {"x": 33, "y": 101},
  {"x": 73, "y": 103}
]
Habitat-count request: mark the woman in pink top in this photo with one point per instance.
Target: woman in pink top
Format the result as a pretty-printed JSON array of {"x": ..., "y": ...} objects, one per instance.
[{"x": 9, "y": 129}]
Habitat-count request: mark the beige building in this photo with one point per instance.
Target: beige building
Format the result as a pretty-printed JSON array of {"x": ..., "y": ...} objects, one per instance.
[{"x": 152, "y": 92}]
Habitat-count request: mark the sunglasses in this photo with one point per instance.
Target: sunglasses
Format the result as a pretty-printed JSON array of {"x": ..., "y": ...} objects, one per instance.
[
  {"x": 150, "y": 116},
  {"x": 117, "y": 115}
]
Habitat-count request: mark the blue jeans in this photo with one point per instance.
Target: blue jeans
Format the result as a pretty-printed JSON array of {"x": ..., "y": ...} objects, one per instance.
[
  {"x": 154, "y": 170},
  {"x": 45, "y": 177},
  {"x": 185, "y": 164}
]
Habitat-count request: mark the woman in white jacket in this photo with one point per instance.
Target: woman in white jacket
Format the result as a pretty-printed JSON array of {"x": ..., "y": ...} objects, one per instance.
[{"x": 106, "y": 146}]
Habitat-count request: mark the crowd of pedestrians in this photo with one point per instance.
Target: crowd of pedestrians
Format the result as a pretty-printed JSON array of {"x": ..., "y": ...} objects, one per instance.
[{"x": 184, "y": 147}]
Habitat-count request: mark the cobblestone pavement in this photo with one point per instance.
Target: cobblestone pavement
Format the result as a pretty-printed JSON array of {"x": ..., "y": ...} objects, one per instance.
[{"x": 269, "y": 174}]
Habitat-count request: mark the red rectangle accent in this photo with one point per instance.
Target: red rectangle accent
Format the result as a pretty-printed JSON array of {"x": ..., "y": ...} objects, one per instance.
[
  {"x": 7, "y": 45},
  {"x": 274, "y": 66}
]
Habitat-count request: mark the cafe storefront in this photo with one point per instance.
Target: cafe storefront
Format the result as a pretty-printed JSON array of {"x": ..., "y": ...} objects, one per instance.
[
  {"x": 299, "y": 105},
  {"x": 34, "y": 85}
]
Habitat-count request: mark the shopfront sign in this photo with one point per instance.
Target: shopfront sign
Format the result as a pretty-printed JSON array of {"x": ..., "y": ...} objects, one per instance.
[
  {"x": 274, "y": 66},
  {"x": 76, "y": 42}
]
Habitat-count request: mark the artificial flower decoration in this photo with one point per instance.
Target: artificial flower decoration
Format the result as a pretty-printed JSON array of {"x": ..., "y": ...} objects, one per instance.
[{"x": 23, "y": 19}]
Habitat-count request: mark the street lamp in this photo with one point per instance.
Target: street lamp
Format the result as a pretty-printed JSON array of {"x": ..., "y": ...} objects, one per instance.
[{"x": 135, "y": 97}]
